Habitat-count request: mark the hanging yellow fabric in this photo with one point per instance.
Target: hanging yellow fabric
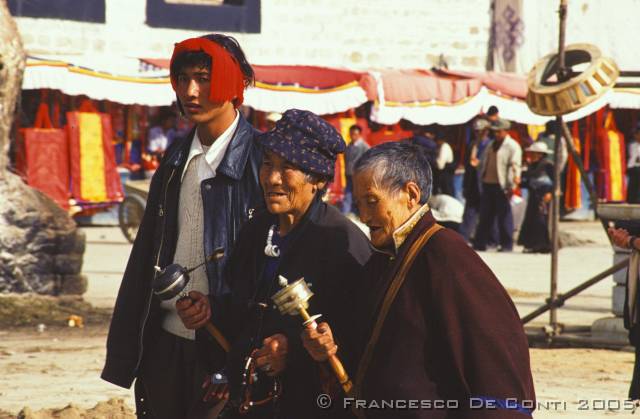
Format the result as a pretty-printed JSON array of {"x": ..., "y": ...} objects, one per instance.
[
  {"x": 615, "y": 158},
  {"x": 93, "y": 185},
  {"x": 573, "y": 193}
]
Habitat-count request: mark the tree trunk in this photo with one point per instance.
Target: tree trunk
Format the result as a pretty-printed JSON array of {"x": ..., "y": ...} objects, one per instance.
[
  {"x": 12, "y": 62},
  {"x": 40, "y": 247}
]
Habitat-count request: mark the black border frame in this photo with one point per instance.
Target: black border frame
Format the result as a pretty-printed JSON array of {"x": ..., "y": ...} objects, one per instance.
[
  {"x": 91, "y": 11},
  {"x": 224, "y": 18}
]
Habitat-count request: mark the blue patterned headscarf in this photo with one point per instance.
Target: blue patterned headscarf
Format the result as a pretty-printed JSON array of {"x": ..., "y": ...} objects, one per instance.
[{"x": 306, "y": 140}]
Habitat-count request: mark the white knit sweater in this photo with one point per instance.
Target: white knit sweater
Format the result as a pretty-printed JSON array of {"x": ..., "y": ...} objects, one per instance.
[{"x": 190, "y": 246}]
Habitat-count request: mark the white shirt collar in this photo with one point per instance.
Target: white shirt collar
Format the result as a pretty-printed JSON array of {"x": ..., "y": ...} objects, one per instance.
[{"x": 214, "y": 154}]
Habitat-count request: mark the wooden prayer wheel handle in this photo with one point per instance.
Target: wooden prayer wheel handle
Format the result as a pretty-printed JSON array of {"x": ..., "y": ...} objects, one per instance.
[
  {"x": 217, "y": 335},
  {"x": 334, "y": 361}
]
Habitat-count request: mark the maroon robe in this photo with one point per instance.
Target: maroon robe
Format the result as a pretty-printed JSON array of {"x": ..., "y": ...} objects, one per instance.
[{"x": 451, "y": 334}]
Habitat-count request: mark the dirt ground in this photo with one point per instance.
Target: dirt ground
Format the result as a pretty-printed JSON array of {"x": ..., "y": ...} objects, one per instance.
[
  {"x": 61, "y": 366},
  {"x": 54, "y": 372}
]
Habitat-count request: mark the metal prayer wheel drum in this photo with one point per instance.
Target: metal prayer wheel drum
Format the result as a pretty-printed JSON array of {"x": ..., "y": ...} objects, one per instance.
[
  {"x": 291, "y": 298},
  {"x": 549, "y": 98},
  {"x": 170, "y": 281}
]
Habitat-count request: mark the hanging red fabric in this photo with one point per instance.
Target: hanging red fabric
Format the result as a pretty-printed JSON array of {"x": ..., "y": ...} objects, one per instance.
[
  {"x": 46, "y": 157},
  {"x": 612, "y": 161}
]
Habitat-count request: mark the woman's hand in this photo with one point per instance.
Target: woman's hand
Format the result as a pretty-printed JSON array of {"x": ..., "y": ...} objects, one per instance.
[
  {"x": 319, "y": 342},
  {"x": 272, "y": 357}
]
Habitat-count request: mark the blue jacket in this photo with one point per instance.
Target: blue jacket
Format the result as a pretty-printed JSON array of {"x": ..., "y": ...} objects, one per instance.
[{"x": 228, "y": 200}]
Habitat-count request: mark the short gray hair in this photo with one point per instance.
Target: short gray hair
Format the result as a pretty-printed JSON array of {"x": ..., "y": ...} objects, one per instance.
[{"x": 393, "y": 164}]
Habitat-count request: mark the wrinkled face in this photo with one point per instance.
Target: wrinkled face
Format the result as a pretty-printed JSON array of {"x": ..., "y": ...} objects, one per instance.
[
  {"x": 286, "y": 188},
  {"x": 193, "y": 88},
  {"x": 381, "y": 210}
]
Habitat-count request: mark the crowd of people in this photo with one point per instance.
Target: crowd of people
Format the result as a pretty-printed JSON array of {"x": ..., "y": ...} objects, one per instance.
[{"x": 403, "y": 322}]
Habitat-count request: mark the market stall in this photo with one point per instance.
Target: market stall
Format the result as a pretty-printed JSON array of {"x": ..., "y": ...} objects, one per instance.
[{"x": 386, "y": 102}]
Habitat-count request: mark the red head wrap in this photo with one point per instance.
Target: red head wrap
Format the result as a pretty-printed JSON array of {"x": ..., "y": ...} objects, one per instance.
[{"x": 227, "y": 80}]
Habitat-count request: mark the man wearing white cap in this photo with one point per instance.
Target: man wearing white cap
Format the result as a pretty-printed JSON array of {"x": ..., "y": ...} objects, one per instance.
[{"x": 538, "y": 179}]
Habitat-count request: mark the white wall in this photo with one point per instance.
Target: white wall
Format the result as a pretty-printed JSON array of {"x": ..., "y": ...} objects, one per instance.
[
  {"x": 612, "y": 25},
  {"x": 339, "y": 33}
]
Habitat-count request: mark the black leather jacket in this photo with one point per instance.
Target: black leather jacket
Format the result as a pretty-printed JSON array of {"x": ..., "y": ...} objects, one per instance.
[{"x": 229, "y": 199}]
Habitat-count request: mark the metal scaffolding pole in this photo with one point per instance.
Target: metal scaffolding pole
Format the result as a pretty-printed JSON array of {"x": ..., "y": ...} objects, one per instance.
[{"x": 555, "y": 206}]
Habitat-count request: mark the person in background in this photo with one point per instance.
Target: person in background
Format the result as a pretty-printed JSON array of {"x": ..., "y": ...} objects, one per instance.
[
  {"x": 493, "y": 114},
  {"x": 425, "y": 137},
  {"x": 633, "y": 169},
  {"x": 446, "y": 165},
  {"x": 548, "y": 136},
  {"x": 206, "y": 187},
  {"x": 499, "y": 176},
  {"x": 355, "y": 149},
  {"x": 470, "y": 187},
  {"x": 538, "y": 179},
  {"x": 162, "y": 134}
]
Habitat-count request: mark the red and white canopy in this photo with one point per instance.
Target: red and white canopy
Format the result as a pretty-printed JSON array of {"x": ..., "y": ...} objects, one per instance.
[
  {"x": 420, "y": 96},
  {"x": 453, "y": 97}
]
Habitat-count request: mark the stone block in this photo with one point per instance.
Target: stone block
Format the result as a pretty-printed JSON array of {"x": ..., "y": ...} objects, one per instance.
[
  {"x": 617, "y": 300},
  {"x": 68, "y": 264},
  {"x": 72, "y": 242},
  {"x": 610, "y": 328},
  {"x": 74, "y": 284},
  {"x": 620, "y": 277}
]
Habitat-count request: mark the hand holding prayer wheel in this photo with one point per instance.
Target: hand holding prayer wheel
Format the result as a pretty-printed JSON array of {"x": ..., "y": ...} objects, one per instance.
[
  {"x": 172, "y": 281},
  {"x": 293, "y": 299}
]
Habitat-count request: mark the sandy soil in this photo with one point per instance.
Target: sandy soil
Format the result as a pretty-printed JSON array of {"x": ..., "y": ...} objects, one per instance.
[
  {"x": 54, "y": 368},
  {"x": 61, "y": 366}
]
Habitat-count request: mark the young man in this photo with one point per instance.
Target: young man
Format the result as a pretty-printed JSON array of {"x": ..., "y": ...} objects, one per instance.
[{"x": 205, "y": 188}]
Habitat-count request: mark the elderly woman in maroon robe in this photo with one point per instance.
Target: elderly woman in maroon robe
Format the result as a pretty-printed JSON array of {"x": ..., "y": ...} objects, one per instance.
[{"x": 440, "y": 336}]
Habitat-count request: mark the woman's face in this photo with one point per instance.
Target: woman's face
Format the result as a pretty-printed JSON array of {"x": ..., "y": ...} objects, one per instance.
[
  {"x": 286, "y": 188},
  {"x": 382, "y": 211}
]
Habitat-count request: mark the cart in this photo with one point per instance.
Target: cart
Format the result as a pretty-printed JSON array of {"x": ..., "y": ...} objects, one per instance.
[{"x": 132, "y": 207}]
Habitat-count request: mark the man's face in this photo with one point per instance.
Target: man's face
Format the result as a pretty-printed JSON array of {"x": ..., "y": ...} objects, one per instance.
[
  {"x": 193, "y": 88},
  {"x": 355, "y": 134},
  {"x": 381, "y": 210}
]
